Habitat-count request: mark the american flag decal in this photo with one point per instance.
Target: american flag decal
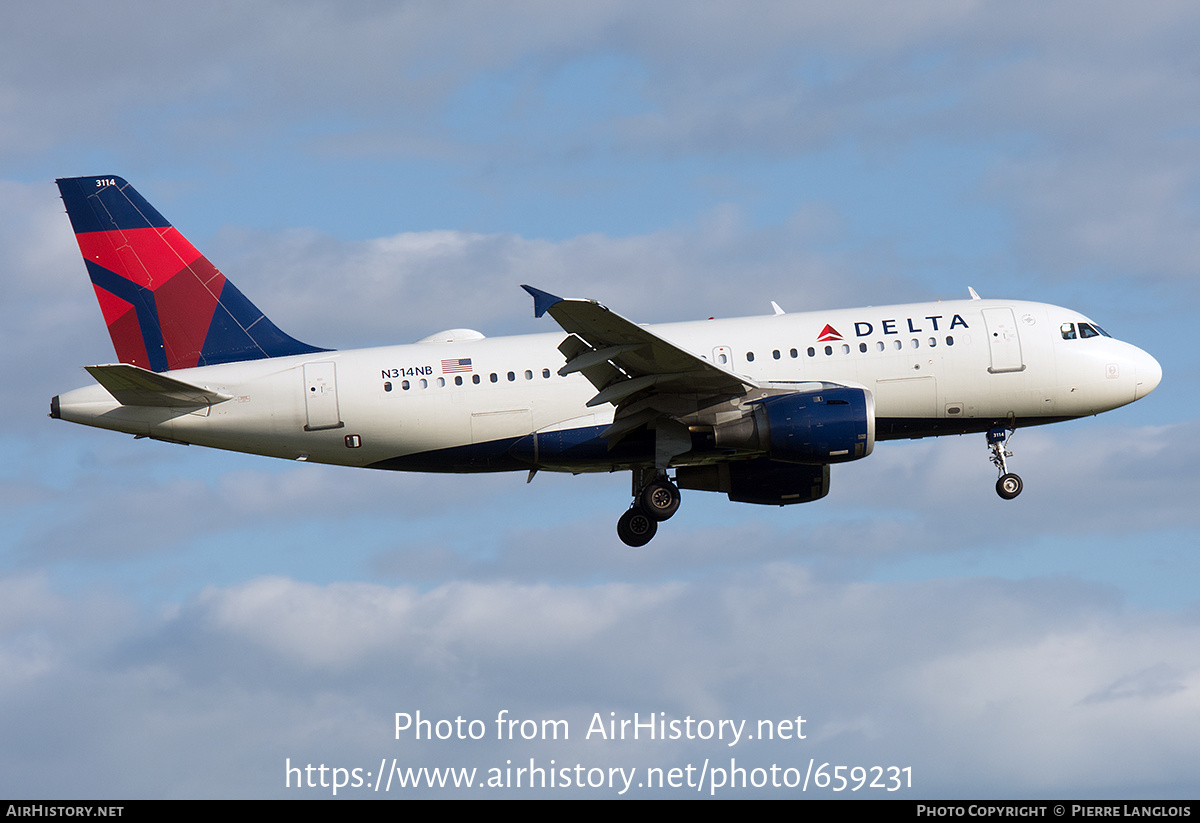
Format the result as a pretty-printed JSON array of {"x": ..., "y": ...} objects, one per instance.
[{"x": 456, "y": 364}]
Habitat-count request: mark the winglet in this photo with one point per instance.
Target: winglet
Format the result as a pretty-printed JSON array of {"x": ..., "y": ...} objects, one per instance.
[{"x": 542, "y": 300}]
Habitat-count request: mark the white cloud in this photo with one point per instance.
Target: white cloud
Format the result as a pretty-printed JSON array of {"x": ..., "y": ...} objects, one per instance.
[
  {"x": 397, "y": 289},
  {"x": 1073, "y": 693}
]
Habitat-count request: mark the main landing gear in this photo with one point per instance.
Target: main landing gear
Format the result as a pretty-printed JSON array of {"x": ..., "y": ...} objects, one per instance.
[
  {"x": 1009, "y": 485},
  {"x": 655, "y": 498}
]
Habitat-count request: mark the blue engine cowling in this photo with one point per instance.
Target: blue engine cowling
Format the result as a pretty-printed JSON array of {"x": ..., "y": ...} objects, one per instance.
[{"x": 830, "y": 425}]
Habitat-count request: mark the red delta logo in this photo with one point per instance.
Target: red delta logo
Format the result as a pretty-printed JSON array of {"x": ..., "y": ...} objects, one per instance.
[{"x": 828, "y": 333}]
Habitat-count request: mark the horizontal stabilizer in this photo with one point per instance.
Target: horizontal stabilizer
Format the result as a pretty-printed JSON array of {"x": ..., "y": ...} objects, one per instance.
[{"x": 134, "y": 386}]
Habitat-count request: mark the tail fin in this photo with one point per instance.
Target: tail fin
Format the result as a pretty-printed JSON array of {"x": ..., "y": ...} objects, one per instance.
[{"x": 166, "y": 306}]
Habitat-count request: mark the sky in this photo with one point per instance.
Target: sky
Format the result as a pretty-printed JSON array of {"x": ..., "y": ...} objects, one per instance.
[{"x": 177, "y": 622}]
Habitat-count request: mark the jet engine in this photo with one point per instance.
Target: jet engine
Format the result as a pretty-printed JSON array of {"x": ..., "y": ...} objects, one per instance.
[{"x": 829, "y": 425}]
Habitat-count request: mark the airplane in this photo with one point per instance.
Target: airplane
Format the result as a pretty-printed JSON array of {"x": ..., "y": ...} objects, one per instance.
[{"x": 756, "y": 408}]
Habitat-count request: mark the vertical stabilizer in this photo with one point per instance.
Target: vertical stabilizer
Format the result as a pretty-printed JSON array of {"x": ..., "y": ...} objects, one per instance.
[{"x": 166, "y": 306}]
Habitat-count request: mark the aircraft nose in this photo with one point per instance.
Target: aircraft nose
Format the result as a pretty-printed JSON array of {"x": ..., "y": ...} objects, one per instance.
[{"x": 1147, "y": 373}]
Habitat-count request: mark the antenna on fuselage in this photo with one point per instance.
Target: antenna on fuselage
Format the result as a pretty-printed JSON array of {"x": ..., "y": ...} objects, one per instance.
[{"x": 974, "y": 294}]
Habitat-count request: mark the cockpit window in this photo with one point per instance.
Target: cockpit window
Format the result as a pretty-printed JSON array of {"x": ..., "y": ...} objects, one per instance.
[{"x": 1086, "y": 330}]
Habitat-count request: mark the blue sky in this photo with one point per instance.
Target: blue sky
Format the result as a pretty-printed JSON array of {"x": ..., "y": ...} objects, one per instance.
[{"x": 178, "y": 623}]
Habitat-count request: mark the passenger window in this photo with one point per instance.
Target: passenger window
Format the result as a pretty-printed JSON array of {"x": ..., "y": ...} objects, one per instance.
[
  {"x": 828, "y": 350},
  {"x": 932, "y": 342},
  {"x": 916, "y": 343},
  {"x": 949, "y": 340},
  {"x": 546, "y": 373},
  {"x": 424, "y": 383},
  {"x": 879, "y": 345},
  {"x": 862, "y": 347},
  {"x": 899, "y": 345},
  {"x": 441, "y": 382},
  {"x": 812, "y": 352},
  {"x": 458, "y": 380},
  {"x": 512, "y": 376},
  {"x": 404, "y": 385},
  {"x": 845, "y": 348},
  {"x": 387, "y": 386},
  {"x": 475, "y": 379},
  {"x": 794, "y": 354},
  {"x": 494, "y": 378},
  {"x": 749, "y": 357},
  {"x": 775, "y": 354}
]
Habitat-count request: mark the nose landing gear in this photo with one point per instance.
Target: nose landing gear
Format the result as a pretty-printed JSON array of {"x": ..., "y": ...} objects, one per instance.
[
  {"x": 655, "y": 499},
  {"x": 1009, "y": 485}
]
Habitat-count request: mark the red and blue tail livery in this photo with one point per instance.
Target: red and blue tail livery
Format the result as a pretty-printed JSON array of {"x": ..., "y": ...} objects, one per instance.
[{"x": 166, "y": 306}]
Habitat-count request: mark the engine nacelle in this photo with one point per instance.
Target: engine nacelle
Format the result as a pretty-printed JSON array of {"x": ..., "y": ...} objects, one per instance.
[{"x": 831, "y": 425}]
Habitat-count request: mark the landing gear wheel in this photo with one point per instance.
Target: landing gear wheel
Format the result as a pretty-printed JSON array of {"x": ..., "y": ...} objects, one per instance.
[
  {"x": 1009, "y": 486},
  {"x": 660, "y": 499},
  {"x": 636, "y": 528}
]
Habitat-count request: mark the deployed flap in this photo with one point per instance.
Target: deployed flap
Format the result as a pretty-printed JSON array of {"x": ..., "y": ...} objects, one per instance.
[
  {"x": 645, "y": 360},
  {"x": 134, "y": 386}
]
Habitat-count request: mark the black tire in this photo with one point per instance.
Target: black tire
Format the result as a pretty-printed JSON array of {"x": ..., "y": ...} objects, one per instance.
[
  {"x": 636, "y": 528},
  {"x": 1009, "y": 486},
  {"x": 660, "y": 499}
]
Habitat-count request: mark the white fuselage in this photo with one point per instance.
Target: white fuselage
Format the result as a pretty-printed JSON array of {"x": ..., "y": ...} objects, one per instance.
[{"x": 934, "y": 368}]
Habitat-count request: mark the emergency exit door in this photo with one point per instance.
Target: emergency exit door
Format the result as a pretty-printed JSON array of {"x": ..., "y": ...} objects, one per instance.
[{"x": 320, "y": 396}]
